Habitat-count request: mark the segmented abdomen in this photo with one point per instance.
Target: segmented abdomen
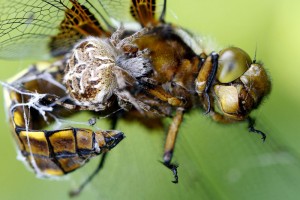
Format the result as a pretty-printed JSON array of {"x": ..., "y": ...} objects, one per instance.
[{"x": 51, "y": 152}]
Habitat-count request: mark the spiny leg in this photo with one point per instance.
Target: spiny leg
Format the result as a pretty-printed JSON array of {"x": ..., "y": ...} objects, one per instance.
[
  {"x": 159, "y": 93},
  {"x": 206, "y": 78},
  {"x": 251, "y": 123},
  {"x": 114, "y": 120},
  {"x": 170, "y": 142},
  {"x": 76, "y": 192},
  {"x": 210, "y": 80}
]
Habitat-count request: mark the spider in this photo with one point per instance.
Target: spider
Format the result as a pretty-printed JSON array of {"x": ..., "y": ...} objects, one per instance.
[{"x": 99, "y": 68}]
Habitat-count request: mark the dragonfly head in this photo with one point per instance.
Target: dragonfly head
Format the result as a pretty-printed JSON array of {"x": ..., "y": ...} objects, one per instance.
[{"x": 241, "y": 84}]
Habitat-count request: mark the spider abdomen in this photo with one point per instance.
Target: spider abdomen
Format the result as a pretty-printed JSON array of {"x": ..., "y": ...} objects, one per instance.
[{"x": 89, "y": 76}]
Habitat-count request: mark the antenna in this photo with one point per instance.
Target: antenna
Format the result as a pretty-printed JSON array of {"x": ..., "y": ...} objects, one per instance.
[
  {"x": 163, "y": 13},
  {"x": 254, "y": 60}
]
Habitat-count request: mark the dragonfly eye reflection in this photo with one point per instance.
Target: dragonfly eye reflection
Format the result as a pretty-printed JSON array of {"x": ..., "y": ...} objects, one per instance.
[{"x": 233, "y": 62}]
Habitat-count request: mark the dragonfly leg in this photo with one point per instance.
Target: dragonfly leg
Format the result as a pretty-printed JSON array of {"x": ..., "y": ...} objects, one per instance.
[
  {"x": 170, "y": 143},
  {"x": 251, "y": 123},
  {"x": 77, "y": 191}
]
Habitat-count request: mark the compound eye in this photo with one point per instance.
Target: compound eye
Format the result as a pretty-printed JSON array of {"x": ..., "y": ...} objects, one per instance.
[{"x": 233, "y": 63}]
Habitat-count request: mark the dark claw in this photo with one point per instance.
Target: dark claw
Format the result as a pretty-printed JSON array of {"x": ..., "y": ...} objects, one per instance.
[
  {"x": 173, "y": 168},
  {"x": 251, "y": 128},
  {"x": 211, "y": 79},
  {"x": 74, "y": 193},
  {"x": 208, "y": 103}
]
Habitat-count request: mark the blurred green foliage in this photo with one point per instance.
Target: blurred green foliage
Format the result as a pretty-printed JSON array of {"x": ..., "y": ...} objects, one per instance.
[{"x": 216, "y": 161}]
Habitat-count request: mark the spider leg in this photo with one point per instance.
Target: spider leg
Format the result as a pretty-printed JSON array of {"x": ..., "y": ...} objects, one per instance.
[
  {"x": 124, "y": 81},
  {"x": 130, "y": 39},
  {"x": 116, "y": 36}
]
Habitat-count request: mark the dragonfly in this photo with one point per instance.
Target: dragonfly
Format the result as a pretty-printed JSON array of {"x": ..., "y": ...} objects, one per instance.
[{"x": 102, "y": 64}]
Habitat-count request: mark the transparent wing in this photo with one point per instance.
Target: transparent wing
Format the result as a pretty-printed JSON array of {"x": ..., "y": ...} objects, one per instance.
[
  {"x": 35, "y": 28},
  {"x": 143, "y": 11},
  {"x": 39, "y": 28}
]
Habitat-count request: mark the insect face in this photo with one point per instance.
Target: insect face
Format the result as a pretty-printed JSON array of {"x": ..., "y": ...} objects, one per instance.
[{"x": 241, "y": 84}]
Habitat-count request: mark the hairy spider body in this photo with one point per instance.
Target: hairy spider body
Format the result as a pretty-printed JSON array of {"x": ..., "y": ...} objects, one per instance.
[
  {"x": 89, "y": 73},
  {"x": 99, "y": 68}
]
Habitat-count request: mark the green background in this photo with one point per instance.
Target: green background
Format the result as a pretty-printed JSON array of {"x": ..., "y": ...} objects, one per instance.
[{"x": 216, "y": 161}]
